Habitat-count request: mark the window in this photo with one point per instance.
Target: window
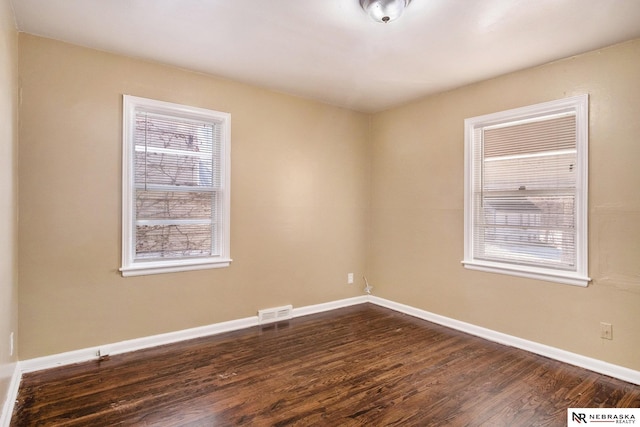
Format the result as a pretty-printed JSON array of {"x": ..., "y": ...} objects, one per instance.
[
  {"x": 526, "y": 191},
  {"x": 175, "y": 187}
]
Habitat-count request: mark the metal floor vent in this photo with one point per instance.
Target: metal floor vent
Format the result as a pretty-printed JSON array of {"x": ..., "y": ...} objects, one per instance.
[{"x": 275, "y": 314}]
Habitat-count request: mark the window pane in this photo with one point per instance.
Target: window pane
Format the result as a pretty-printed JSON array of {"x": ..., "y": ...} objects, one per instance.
[
  {"x": 171, "y": 169},
  {"x": 540, "y": 172},
  {"x": 525, "y": 212},
  {"x": 173, "y": 241},
  {"x": 174, "y": 205},
  {"x": 527, "y": 229},
  {"x": 174, "y": 133}
]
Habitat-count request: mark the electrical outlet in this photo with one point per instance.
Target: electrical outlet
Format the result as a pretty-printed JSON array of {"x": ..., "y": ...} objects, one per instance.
[
  {"x": 606, "y": 331},
  {"x": 11, "y": 344},
  {"x": 350, "y": 278}
]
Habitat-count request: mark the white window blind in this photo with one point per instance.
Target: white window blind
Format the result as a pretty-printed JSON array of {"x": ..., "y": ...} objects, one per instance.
[
  {"x": 526, "y": 195},
  {"x": 176, "y": 193}
]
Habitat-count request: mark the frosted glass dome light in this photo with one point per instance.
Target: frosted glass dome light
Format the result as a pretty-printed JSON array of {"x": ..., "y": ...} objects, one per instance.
[{"x": 384, "y": 10}]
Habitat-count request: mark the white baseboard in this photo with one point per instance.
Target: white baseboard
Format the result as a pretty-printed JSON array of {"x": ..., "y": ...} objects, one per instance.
[
  {"x": 319, "y": 308},
  {"x": 87, "y": 354},
  {"x": 589, "y": 363},
  {"x": 12, "y": 395},
  {"x": 91, "y": 353}
]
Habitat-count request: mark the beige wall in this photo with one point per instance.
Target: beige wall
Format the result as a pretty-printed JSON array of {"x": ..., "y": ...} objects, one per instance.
[
  {"x": 417, "y": 209},
  {"x": 317, "y": 192},
  {"x": 299, "y": 203},
  {"x": 8, "y": 193}
]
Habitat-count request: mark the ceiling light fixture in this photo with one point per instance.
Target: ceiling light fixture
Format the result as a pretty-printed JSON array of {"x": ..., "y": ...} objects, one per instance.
[{"x": 384, "y": 10}]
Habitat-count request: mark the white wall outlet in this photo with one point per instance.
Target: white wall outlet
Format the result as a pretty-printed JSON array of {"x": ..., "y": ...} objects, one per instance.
[
  {"x": 11, "y": 344},
  {"x": 350, "y": 278},
  {"x": 606, "y": 331}
]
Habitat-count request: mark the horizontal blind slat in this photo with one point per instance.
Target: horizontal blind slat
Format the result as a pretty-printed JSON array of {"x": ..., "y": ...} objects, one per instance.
[
  {"x": 553, "y": 134},
  {"x": 168, "y": 205}
]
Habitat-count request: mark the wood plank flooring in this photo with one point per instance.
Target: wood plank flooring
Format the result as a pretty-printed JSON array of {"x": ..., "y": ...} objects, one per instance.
[{"x": 361, "y": 365}]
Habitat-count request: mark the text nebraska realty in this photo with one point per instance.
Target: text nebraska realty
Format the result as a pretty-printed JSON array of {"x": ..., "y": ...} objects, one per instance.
[{"x": 611, "y": 418}]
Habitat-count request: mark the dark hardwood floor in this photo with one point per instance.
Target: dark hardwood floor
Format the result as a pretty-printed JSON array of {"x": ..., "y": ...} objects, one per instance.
[{"x": 361, "y": 365}]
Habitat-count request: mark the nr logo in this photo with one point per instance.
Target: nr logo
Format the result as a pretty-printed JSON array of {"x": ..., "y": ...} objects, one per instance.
[{"x": 578, "y": 417}]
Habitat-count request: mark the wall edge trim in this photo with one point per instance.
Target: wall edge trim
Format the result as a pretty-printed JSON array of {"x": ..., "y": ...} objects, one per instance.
[
  {"x": 12, "y": 396},
  {"x": 328, "y": 306},
  {"x": 595, "y": 365},
  {"x": 93, "y": 353}
]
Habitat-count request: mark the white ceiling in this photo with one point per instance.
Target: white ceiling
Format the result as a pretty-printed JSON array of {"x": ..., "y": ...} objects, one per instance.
[{"x": 330, "y": 50}]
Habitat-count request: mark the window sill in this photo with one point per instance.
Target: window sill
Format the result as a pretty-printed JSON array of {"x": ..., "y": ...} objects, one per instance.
[
  {"x": 567, "y": 278},
  {"x": 151, "y": 267}
]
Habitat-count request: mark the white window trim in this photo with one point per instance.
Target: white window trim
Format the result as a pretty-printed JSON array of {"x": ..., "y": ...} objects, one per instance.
[
  {"x": 131, "y": 267},
  {"x": 579, "y": 277}
]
